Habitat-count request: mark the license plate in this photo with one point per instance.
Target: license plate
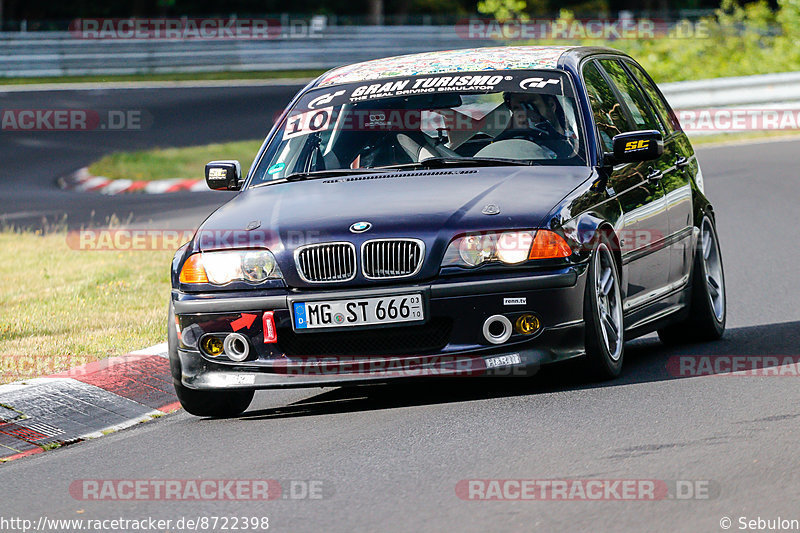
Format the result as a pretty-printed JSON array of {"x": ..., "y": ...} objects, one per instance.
[
  {"x": 503, "y": 360},
  {"x": 358, "y": 311}
]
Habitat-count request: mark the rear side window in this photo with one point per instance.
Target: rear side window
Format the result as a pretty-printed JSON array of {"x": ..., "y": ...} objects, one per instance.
[
  {"x": 638, "y": 106},
  {"x": 606, "y": 109},
  {"x": 664, "y": 111}
]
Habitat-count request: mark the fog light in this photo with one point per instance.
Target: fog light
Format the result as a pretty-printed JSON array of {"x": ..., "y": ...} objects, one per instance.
[
  {"x": 527, "y": 324},
  {"x": 213, "y": 346}
]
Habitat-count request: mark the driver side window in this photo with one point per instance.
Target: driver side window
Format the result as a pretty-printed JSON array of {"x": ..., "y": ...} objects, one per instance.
[
  {"x": 606, "y": 109},
  {"x": 635, "y": 102}
]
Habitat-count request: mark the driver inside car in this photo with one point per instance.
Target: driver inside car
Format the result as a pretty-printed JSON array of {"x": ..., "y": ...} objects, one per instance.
[{"x": 538, "y": 118}]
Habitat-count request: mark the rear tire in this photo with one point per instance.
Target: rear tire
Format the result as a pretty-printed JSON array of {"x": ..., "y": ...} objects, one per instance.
[
  {"x": 602, "y": 311},
  {"x": 217, "y": 404},
  {"x": 707, "y": 301}
]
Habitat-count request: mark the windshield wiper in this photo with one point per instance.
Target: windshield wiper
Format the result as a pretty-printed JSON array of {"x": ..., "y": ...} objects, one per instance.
[
  {"x": 300, "y": 176},
  {"x": 442, "y": 162},
  {"x": 314, "y": 174}
]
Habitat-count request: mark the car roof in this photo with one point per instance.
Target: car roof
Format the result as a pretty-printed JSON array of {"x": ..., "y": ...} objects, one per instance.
[{"x": 465, "y": 60}]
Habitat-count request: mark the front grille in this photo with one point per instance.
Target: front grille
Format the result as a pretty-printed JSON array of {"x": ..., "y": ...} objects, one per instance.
[
  {"x": 402, "y": 340},
  {"x": 392, "y": 258},
  {"x": 333, "y": 261}
]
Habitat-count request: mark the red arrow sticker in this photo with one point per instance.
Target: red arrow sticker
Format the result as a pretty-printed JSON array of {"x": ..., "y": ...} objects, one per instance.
[{"x": 245, "y": 321}]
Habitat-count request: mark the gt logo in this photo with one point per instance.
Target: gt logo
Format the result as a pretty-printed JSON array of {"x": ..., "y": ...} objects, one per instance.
[
  {"x": 636, "y": 145},
  {"x": 324, "y": 99},
  {"x": 537, "y": 83}
]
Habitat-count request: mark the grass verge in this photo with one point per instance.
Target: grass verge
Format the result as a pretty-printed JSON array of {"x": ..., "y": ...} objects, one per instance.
[
  {"x": 65, "y": 307},
  {"x": 176, "y": 76},
  {"x": 166, "y": 163}
]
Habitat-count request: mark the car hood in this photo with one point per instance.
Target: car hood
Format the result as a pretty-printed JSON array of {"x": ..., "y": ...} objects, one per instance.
[{"x": 432, "y": 205}]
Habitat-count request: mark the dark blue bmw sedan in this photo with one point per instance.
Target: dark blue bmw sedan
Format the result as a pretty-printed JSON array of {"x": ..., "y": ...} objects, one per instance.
[{"x": 462, "y": 213}]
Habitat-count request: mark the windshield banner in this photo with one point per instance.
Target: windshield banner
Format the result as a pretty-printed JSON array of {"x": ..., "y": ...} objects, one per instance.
[{"x": 532, "y": 81}]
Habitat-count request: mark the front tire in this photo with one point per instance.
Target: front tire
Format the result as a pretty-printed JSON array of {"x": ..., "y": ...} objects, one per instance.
[
  {"x": 216, "y": 404},
  {"x": 602, "y": 311},
  {"x": 708, "y": 302}
]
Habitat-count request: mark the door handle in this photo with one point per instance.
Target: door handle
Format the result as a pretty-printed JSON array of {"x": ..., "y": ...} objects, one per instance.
[
  {"x": 681, "y": 162},
  {"x": 655, "y": 174}
]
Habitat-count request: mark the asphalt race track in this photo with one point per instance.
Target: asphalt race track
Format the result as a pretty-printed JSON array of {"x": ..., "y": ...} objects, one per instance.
[
  {"x": 33, "y": 160},
  {"x": 390, "y": 457}
]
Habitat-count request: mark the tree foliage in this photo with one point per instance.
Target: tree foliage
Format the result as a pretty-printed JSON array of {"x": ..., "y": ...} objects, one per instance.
[{"x": 737, "y": 40}]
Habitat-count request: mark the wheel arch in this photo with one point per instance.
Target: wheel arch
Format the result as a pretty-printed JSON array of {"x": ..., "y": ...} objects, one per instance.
[
  {"x": 607, "y": 230},
  {"x": 590, "y": 226}
]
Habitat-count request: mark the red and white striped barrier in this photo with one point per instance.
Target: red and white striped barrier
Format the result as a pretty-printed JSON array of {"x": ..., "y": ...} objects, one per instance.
[{"x": 82, "y": 181}]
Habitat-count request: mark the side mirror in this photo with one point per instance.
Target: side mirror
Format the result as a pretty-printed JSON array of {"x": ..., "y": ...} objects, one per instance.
[
  {"x": 634, "y": 146},
  {"x": 223, "y": 175}
]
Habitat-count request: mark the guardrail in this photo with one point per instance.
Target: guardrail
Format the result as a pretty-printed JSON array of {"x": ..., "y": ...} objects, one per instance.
[
  {"x": 733, "y": 105},
  {"x": 61, "y": 54},
  {"x": 779, "y": 89}
]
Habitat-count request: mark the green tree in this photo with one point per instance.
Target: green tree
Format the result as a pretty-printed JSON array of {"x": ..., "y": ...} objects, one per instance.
[{"x": 504, "y": 9}]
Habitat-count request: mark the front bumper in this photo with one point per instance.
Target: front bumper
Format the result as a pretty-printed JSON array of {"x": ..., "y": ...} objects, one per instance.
[{"x": 451, "y": 342}]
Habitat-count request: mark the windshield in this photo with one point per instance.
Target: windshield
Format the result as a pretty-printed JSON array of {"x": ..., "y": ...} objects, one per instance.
[{"x": 491, "y": 117}]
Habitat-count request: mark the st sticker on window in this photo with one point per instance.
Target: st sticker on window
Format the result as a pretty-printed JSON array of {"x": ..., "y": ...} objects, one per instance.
[{"x": 308, "y": 122}]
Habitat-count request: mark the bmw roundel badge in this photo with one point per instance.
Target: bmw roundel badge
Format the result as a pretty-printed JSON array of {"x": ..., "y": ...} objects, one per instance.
[{"x": 360, "y": 227}]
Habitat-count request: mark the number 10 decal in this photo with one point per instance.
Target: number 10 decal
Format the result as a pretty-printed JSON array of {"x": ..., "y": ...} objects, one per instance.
[{"x": 308, "y": 122}]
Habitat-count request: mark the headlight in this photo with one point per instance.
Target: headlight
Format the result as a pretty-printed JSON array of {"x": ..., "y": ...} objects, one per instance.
[
  {"x": 514, "y": 246},
  {"x": 220, "y": 268},
  {"x": 258, "y": 266},
  {"x": 508, "y": 247},
  {"x": 476, "y": 249}
]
